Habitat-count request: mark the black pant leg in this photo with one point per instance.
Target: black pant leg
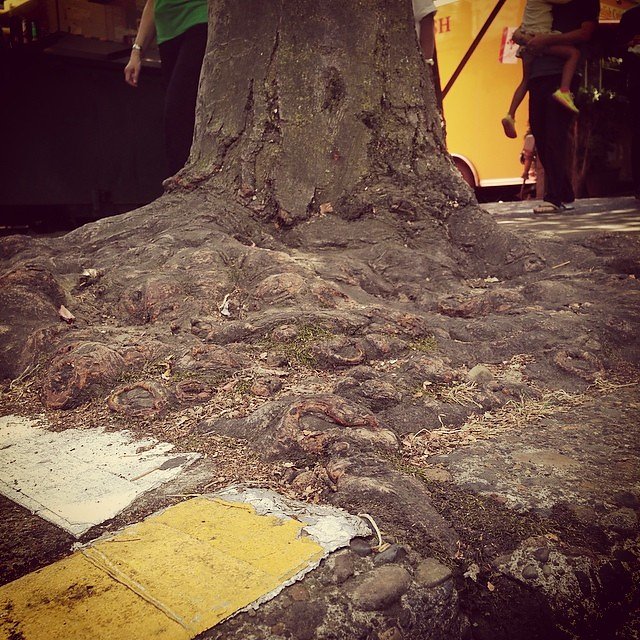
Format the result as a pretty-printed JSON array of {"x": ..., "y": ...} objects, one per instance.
[
  {"x": 634, "y": 98},
  {"x": 168, "y": 56},
  {"x": 551, "y": 125},
  {"x": 183, "y": 56},
  {"x": 537, "y": 119}
]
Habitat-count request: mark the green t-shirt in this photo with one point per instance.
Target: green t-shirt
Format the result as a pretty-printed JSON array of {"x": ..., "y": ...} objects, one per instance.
[{"x": 174, "y": 17}]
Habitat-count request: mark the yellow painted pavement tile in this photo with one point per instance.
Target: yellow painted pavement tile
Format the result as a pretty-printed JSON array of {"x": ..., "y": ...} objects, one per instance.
[
  {"x": 74, "y": 600},
  {"x": 269, "y": 542},
  {"x": 185, "y": 570}
]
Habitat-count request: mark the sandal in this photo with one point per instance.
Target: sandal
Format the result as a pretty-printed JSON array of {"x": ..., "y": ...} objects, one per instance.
[{"x": 548, "y": 207}]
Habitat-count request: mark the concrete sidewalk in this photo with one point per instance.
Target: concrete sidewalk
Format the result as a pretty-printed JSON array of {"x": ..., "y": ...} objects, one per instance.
[{"x": 590, "y": 215}]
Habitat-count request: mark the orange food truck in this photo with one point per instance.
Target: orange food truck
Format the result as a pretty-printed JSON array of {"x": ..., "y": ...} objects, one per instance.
[{"x": 477, "y": 98}]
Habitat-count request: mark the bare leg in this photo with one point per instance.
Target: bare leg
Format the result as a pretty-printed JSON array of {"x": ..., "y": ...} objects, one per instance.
[
  {"x": 509, "y": 121},
  {"x": 571, "y": 56},
  {"x": 521, "y": 89}
]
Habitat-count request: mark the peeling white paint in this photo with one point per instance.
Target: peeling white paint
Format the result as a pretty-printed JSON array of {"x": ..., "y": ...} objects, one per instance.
[{"x": 79, "y": 478}]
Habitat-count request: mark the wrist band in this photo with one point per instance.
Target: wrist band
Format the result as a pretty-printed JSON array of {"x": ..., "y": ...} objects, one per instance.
[{"x": 136, "y": 47}]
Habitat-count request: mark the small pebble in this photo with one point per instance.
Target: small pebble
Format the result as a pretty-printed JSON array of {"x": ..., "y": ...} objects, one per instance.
[
  {"x": 541, "y": 554},
  {"x": 343, "y": 567},
  {"x": 480, "y": 375},
  {"x": 361, "y": 547},
  {"x": 392, "y": 554}
]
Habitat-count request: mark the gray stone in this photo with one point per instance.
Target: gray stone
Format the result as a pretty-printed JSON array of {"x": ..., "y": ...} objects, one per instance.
[
  {"x": 392, "y": 554},
  {"x": 343, "y": 567},
  {"x": 431, "y": 573},
  {"x": 530, "y": 572},
  {"x": 381, "y": 587},
  {"x": 360, "y": 547},
  {"x": 541, "y": 554},
  {"x": 480, "y": 375}
]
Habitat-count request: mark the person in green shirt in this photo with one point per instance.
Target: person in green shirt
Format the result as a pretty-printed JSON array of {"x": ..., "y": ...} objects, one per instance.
[{"x": 181, "y": 30}]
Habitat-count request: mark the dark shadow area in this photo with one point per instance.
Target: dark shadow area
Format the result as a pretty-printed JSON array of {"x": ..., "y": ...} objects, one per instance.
[
  {"x": 54, "y": 219},
  {"x": 78, "y": 144}
]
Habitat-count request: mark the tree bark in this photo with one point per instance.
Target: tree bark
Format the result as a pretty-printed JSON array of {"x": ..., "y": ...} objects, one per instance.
[
  {"x": 303, "y": 103},
  {"x": 307, "y": 109}
]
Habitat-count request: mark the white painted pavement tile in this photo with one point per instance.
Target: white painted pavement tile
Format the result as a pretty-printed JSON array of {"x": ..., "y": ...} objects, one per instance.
[{"x": 78, "y": 478}]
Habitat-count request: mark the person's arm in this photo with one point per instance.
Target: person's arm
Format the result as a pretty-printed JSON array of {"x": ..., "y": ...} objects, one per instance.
[
  {"x": 627, "y": 35},
  {"x": 146, "y": 32},
  {"x": 570, "y": 38}
]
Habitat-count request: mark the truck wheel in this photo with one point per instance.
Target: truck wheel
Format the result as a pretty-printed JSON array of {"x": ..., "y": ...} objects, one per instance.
[{"x": 465, "y": 171}]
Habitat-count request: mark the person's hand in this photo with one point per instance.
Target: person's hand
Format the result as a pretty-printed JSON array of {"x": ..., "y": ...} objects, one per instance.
[
  {"x": 132, "y": 70},
  {"x": 538, "y": 42},
  {"x": 520, "y": 37}
]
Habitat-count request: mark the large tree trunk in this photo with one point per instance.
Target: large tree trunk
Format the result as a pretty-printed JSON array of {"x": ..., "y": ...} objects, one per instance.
[
  {"x": 308, "y": 108},
  {"x": 304, "y": 103}
]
